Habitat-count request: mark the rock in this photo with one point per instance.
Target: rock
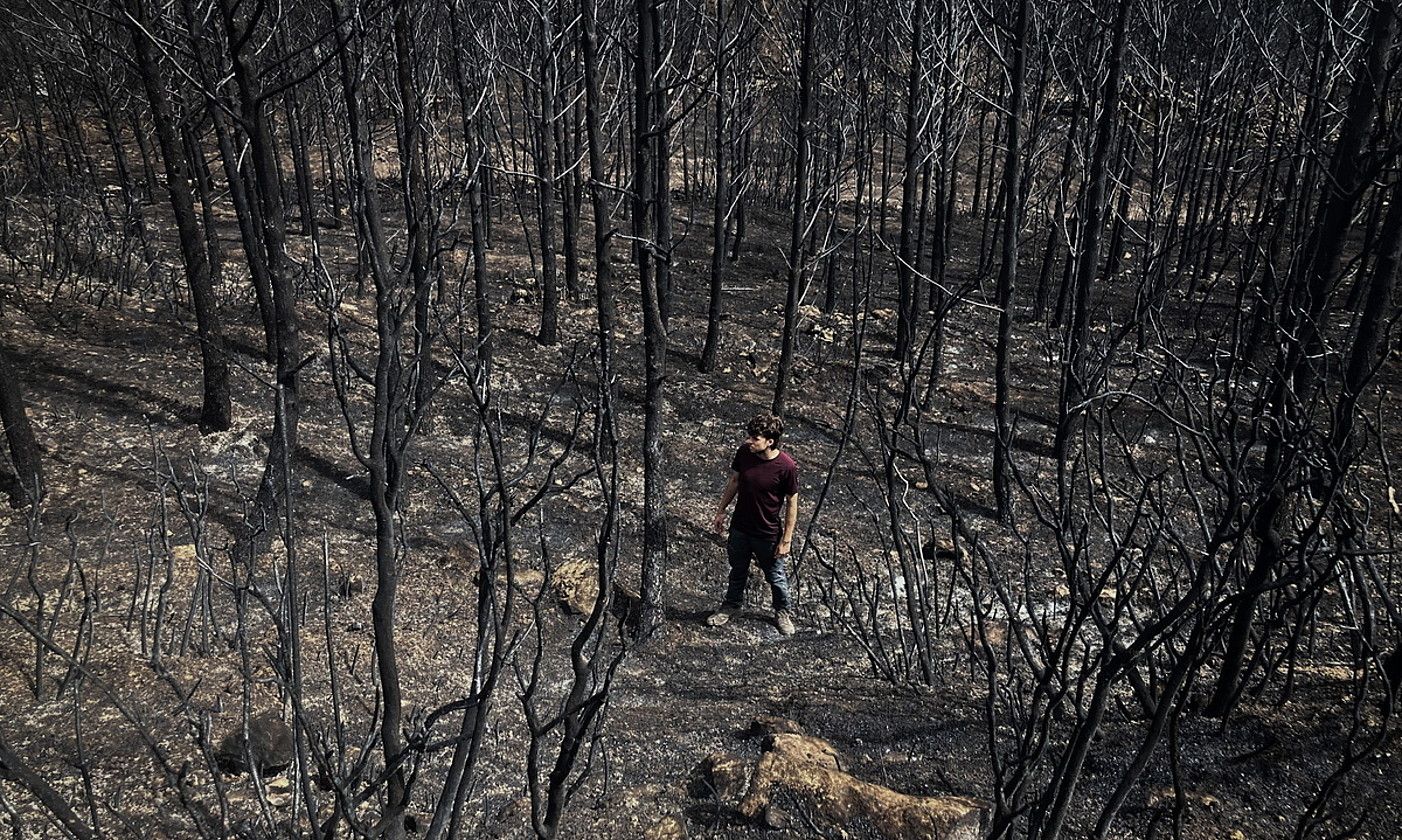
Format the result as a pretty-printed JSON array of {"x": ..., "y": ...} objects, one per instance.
[
  {"x": 280, "y": 785},
  {"x": 270, "y": 745},
  {"x": 942, "y": 548},
  {"x": 526, "y": 581},
  {"x": 804, "y": 770},
  {"x": 765, "y": 726},
  {"x": 803, "y": 748},
  {"x": 774, "y": 818},
  {"x": 1163, "y": 796},
  {"x": 728, "y": 777},
  {"x": 667, "y": 828},
  {"x": 576, "y": 583}
]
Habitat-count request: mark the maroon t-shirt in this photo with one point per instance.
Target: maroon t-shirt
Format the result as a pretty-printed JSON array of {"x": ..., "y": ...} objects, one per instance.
[{"x": 764, "y": 485}]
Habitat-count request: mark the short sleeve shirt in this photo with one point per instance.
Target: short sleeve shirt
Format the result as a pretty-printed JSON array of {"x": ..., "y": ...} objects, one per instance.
[{"x": 764, "y": 485}]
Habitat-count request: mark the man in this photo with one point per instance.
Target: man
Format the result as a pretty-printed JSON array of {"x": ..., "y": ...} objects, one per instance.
[{"x": 764, "y": 485}]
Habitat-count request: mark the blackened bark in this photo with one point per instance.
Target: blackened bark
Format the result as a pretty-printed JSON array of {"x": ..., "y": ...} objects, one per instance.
[
  {"x": 240, "y": 193},
  {"x": 390, "y": 427},
  {"x": 1056, "y": 236},
  {"x": 1007, "y": 272},
  {"x": 477, "y": 211},
  {"x": 647, "y": 129},
  {"x": 418, "y": 211},
  {"x": 1365, "y": 355},
  {"x": 545, "y": 182},
  {"x": 1300, "y": 312},
  {"x": 205, "y": 186},
  {"x": 13, "y": 768},
  {"x": 908, "y": 301},
  {"x": 267, "y": 202},
  {"x": 796, "y": 255},
  {"x": 603, "y": 232},
  {"x": 720, "y": 196},
  {"x": 19, "y": 434},
  {"x": 215, "y": 409},
  {"x": 1073, "y": 384}
]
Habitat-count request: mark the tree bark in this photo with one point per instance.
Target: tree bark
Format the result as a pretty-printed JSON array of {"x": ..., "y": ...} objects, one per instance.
[
  {"x": 215, "y": 409},
  {"x": 603, "y": 223},
  {"x": 267, "y": 199},
  {"x": 800, "y": 208},
  {"x": 1007, "y": 272},
  {"x": 1073, "y": 385},
  {"x": 648, "y": 127},
  {"x": 908, "y": 301},
  {"x": 720, "y": 197},
  {"x": 545, "y": 183},
  {"x": 19, "y": 434},
  {"x": 1301, "y": 309}
]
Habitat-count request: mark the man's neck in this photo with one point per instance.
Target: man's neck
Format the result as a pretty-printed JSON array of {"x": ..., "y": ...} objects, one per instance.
[{"x": 770, "y": 454}]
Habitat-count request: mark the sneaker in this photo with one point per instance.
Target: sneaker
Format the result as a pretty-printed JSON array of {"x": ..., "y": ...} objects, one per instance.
[
  {"x": 721, "y": 616},
  {"x": 783, "y": 619}
]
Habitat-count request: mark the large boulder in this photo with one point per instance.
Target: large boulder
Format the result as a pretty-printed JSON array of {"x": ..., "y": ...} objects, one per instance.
[
  {"x": 270, "y": 746},
  {"x": 801, "y": 773}
]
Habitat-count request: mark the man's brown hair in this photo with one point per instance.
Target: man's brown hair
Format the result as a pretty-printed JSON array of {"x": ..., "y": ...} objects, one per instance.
[{"x": 767, "y": 425}]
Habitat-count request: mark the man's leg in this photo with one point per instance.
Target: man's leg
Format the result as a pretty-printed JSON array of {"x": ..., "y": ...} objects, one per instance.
[
  {"x": 738, "y": 550},
  {"x": 774, "y": 572}
]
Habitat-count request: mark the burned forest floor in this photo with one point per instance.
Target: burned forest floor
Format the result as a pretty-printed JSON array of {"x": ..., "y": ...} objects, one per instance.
[{"x": 138, "y": 502}]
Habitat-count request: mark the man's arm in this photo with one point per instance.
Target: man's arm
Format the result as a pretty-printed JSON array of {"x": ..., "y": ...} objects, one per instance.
[
  {"x": 790, "y": 521},
  {"x": 726, "y": 497}
]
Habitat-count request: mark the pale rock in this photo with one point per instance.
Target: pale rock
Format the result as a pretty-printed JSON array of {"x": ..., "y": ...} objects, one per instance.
[
  {"x": 667, "y": 828},
  {"x": 806, "y": 772}
]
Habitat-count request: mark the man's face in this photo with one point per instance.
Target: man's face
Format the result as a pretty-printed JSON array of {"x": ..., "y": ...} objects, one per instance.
[{"x": 759, "y": 444}]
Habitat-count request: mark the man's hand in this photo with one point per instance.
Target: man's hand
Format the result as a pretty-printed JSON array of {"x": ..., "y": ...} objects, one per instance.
[
  {"x": 718, "y": 524},
  {"x": 784, "y": 547}
]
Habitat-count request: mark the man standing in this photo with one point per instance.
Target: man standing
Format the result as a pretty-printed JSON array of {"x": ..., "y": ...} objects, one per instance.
[{"x": 764, "y": 481}]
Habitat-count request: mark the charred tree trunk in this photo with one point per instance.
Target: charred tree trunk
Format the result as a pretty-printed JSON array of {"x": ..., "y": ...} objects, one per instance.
[
  {"x": 797, "y": 256},
  {"x": 477, "y": 211},
  {"x": 24, "y": 450},
  {"x": 1073, "y": 376},
  {"x": 908, "y": 301},
  {"x": 241, "y": 195},
  {"x": 215, "y": 409},
  {"x": 719, "y": 199},
  {"x": 392, "y": 420},
  {"x": 603, "y": 223},
  {"x": 648, "y": 127},
  {"x": 1301, "y": 311},
  {"x": 1007, "y": 272},
  {"x": 267, "y": 198},
  {"x": 418, "y": 213},
  {"x": 545, "y": 183}
]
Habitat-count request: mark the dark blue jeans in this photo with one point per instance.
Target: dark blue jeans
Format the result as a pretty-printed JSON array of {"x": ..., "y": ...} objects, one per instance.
[{"x": 740, "y": 548}]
